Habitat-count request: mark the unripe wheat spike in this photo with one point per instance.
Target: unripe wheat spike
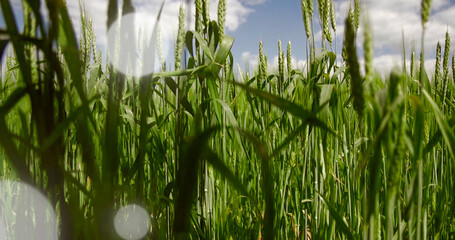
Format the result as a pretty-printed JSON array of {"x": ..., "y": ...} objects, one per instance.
[
  {"x": 356, "y": 80},
  {"x": 368, "y": 48},
  {"x": 333, "y": 16},
  {"x": 221, "y": 17},
  {"x": 289, "y": 58},
  {"x": 356, "y": 14},
  {"x": 426, "y": 8},
  {"x": 198, "y": 16},
  {"x": 326, "y": 19},
  {"x": 437, "y": 68},
  {"x": 412, "y": 67},
  {"x": 310, "y": 5},
  {"x": 180, "y": 38},
  {"x": 306, "y": 17},
  {"x": 453, "y": 68},
  {"x": 445, "y": 67}
]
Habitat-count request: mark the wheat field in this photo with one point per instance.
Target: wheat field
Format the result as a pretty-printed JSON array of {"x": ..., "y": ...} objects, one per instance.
[{"x": 330, "y": 151}]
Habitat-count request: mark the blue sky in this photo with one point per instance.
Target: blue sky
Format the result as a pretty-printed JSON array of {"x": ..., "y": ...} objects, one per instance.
[
  {"x": 275, "y": 19},
  {"x": 270, "y": 22},
  {"x": 250, "y": 21}
]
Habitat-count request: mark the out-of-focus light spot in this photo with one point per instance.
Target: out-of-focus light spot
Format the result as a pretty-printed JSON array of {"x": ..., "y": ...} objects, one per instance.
[
  {"x": 25, "y": 213},
  {"x": 2, "y": 230},
  {"x": 132, "y": 222},
  {"x": 131, "y": 48}
]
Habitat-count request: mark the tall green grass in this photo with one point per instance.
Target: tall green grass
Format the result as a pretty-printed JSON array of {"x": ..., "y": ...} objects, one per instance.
[{"x": 317, "y": 153}]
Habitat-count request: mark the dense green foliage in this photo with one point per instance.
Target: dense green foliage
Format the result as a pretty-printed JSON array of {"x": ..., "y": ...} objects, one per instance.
[{"x": 315, "y": 153}]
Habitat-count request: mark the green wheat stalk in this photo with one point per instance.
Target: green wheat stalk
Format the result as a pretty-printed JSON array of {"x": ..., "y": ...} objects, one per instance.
[
  {"x": 356, "y": 80},
  {"x": 437, "y": 68},
  {"x": 306, "y": 14},
  {"x": 368, "y": 48},
  {"x": 453, "y": 68},
  {"x": 325, "y": 21},
  {"x": 412, "y": 67},
  {"x": 333, "y": 15},
  {"x": 310, "y": 5},
  {"x": 281, "y": 59},
  {"x": 425, "y": 15},
  {"x": 289, "y": 58},
  {"x": 180, "y": 39},
  {"x": 356, "y": 14},
  {"x": 206, "y": 11},
  {"x": 221, "y": 17},
  {"x": 198, "y": 16},
  {"x": 262, "y": 62},
  {"x": 445, "y": 67},
  {"x": 426, "y": 9}
]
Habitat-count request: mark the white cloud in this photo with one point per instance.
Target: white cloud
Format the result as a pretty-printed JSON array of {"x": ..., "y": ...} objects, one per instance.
[
  {"x": 96, "y": 10},
  {"x": 295, "y": 63},
  {"x": 390, "y": 19},
  {"x": 237, "y": 13},
  {"x": 439, "y": 4},
  {"x": 250, "y": 61},
  {"x": 385, "y": 63},
  {"x": 253, "y": 2}
]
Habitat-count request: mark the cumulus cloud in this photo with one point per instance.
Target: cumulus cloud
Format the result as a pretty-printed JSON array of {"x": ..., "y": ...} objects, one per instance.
[
  {"x": 96, "y": 10},
  {"x": 385, "y": 63},
  {"x": 250, "y": 61},
  {"x": 295, "y": 63},
  {"x": 391, "y": 20},
  {"x": 237, "y": 13},
  {"x": 253, "y": 2}
]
